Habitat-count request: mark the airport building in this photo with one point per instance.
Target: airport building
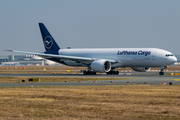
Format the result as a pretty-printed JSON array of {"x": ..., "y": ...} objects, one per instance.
[
  {"x": 178, "y": 57},
  {"x": 26, "y": 59},
  {"x": 16, "y": 58},
  {"x": 13, "y": 60},
  {"x": 3, "y": 59},
  {"x": 10, "y": 63}
]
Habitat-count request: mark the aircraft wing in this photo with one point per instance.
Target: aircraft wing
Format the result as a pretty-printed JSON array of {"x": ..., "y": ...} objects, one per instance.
[{"x": 85, "y": 60}]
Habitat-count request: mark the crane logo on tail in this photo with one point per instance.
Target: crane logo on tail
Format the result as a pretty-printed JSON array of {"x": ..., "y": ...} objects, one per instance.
[{"x": 48, "y": 42}]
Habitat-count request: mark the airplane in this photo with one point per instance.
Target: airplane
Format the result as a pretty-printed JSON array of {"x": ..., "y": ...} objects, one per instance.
[{"x": 104, "y": 60}]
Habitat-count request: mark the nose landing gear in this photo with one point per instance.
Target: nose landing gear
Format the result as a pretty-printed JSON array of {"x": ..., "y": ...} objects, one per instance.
[
  {"x": 162, "y": 70},
  {"x": 161, "y": 73}
]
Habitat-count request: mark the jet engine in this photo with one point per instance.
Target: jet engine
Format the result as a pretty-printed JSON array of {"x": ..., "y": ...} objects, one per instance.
[
  {"x": 141, "y": 69},
  {"x": 101, "y": 66}
]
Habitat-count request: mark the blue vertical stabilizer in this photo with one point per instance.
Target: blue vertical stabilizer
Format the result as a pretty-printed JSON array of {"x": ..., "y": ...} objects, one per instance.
[{"x": 49, "y": 43}]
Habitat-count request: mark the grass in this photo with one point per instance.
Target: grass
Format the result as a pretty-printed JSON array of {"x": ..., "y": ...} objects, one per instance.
[
  {"x": 55, "y": 79},
  {"x": 86, "y": 102},
  {"x": 91, "y": 102}
]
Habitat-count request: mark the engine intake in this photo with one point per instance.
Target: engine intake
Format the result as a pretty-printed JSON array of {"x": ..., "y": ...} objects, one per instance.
[
  {"x": 141, "y": 69},
  {"x": 101, "y": 66}
]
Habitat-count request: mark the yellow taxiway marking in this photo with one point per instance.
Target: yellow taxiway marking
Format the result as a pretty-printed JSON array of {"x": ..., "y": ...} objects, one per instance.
[
  {"x": 176, "y": 79},
  {"x": 165, "y": 79},
  {"x": 169, "y": 79}
]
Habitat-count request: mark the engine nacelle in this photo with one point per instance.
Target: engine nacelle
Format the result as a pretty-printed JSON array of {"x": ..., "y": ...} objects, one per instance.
[
  {"x": 101, "y": 66},
  {"x": 141, "y": 69}
]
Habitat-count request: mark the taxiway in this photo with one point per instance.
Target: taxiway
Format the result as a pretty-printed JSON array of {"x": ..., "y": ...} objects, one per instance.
[{"x": 135, "y": 79}]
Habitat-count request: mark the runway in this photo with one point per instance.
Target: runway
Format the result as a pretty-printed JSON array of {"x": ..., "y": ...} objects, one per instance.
[{"x": 135, "y": 79}]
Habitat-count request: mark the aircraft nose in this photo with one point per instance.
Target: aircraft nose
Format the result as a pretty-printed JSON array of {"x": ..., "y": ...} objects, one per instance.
[{"x": 173, "y": 59}]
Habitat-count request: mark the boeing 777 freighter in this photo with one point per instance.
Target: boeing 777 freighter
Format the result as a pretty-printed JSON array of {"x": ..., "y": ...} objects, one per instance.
[{"x": 104, "y": 59}]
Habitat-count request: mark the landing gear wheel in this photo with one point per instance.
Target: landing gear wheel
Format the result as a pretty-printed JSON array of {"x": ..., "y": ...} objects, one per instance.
[
  {"x": 112, "y": 72},
  {"x": 85, "y": 73},
  {"x": 89, "y": 73},
  {"x": 162, "y": 69},
  {"x": 161, "y": 73},
  {"x": 117, "y": 72}
]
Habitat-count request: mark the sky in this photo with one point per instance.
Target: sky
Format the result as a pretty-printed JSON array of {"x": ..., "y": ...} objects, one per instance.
[{"x": 90, "y": 24}]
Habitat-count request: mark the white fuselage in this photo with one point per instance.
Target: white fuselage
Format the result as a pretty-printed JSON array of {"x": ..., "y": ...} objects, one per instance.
[{"x": 127, "y": 57}]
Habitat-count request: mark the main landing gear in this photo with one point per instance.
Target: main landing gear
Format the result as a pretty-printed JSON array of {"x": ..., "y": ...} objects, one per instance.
[
  {"x": 89, "y": 73},
  {"x": 112, "y": 72}
]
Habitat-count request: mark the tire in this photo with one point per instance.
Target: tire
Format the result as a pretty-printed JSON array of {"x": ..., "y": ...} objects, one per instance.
[
  {"x": 117, "y": 72},
  {"x": 161, "y": 73},
  {"x": 87, "y": 73},
  {"x": 114, "y": 72},
  {"x": 84, "y": 72}
]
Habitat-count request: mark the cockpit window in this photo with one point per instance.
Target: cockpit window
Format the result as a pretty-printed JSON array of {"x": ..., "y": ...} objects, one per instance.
[{"x": 167, "y": 55}]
